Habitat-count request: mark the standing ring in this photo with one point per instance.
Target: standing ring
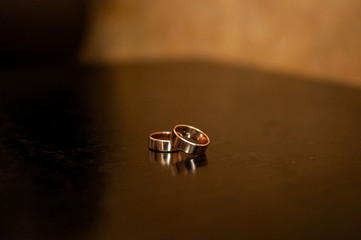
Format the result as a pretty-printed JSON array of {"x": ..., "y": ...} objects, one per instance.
[
  {"x": 189, "y": 139},
  {"x": 161, "y": 141}
]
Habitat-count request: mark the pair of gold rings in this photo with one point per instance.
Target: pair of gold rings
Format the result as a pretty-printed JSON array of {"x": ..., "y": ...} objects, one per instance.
[{"x": 184, "y": 138}]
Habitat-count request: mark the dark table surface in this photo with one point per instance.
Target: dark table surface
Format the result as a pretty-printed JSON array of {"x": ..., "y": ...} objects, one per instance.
[{"x": 284, "y": 160}]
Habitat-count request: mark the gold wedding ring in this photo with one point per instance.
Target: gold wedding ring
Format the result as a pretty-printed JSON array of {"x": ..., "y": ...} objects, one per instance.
[
  {"x": 189, "y": 139},
  {"x": 185, "y": 138},
  {"x": 161, "y": 141}
]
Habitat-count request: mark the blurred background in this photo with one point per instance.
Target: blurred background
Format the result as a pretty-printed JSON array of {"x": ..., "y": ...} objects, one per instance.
[
  {"x": 285, "y": 154},
  {"x": 320, "y": 39}
]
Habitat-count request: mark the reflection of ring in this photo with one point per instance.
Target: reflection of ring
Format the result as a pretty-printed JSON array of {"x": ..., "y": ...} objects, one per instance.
[
  {"x": 178, "y": 162},
  {"x": 161, "y": 141},
  {"x": 189, "y": 139},
  {"x": 190, "y": 164},
  {"x": 165, "y": 158}
]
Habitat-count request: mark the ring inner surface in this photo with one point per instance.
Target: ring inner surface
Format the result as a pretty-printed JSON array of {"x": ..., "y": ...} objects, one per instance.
[
  {"x": 192, "y": 135},
  {"x": 161, "y": 136}
]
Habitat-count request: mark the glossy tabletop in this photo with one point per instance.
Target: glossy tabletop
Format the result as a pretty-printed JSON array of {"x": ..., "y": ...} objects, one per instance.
[{"x": 284, "y": 160}]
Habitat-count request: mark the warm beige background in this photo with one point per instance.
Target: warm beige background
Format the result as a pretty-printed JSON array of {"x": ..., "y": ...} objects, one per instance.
[{"x": 320, "y": 38}]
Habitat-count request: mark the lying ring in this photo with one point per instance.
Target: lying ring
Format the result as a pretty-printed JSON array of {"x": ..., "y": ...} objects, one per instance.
[
  {"x": 189, "y": 139},
  {"x": 161, "y": 141}
]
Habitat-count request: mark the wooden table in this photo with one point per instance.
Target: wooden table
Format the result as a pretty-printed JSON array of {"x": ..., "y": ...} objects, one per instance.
[{"x": 284, "y": 160}]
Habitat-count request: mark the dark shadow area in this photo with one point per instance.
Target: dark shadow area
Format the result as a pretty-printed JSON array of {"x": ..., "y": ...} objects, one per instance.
[
  {"x": 41, "y": 31},
  {"x": 50, "y": 183}
]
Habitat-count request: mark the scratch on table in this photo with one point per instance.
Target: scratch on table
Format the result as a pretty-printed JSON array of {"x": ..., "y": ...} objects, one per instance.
[{"x": 255, "y": 157}]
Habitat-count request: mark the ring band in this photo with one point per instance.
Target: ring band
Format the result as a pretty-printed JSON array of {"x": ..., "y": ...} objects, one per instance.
[
  {"x": 189, "y": 139},
  {"x": 161, "y": 141}
]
